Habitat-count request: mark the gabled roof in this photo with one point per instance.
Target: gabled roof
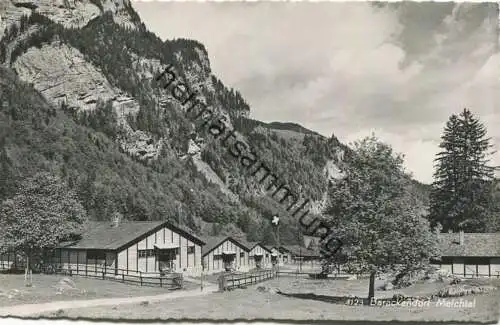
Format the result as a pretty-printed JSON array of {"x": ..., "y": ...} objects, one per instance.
[
  {"x": 475, "y": 244},
  {"x": 103, "y": 235},
  {"x": 215, "y": 241},
  {"x": 270, "y": 248},
  {"x": 251, "y": 244}
]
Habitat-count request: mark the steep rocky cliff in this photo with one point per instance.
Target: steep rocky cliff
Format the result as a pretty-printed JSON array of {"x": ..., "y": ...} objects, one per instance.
[{"x": 69, "y": 13}]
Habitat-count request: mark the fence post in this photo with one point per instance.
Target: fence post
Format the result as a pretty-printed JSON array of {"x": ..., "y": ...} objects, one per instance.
[
  {"x": 86, "y": 269},
  {"x": 140, "y": 275},
  {"x": 123, "y": 276},
  {"x": 161, "y": 282},
  {"x": 103, "y": 273},
  {"x": 221, "y": 285}
]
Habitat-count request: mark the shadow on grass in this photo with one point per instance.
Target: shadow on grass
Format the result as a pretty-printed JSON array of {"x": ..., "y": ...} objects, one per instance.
[{"x": 330, "y": 299}]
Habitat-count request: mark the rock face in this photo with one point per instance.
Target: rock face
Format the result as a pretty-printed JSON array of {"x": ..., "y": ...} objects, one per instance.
[
  {"x": 70, "y": 13},
  {"x": 332, "y": 171},
  {"x": 61, "y": 74}
]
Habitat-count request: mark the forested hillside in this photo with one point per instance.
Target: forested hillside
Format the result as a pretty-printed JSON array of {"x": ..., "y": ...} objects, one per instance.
[{"x": 41, "y": 131}]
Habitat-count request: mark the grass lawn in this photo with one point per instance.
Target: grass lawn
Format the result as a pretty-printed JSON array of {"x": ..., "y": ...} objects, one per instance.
[
  {"x": 44, "y": 289},
  {"x": 250, "y": 303}
]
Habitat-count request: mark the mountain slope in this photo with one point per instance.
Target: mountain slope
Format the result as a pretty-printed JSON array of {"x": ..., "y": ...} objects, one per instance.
[{"x": 124, "y": 143}]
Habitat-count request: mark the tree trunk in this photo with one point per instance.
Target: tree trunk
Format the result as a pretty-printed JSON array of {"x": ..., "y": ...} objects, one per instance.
[
  {"x": 27, "y": 273},
  {"x": 371, "y": 289}
]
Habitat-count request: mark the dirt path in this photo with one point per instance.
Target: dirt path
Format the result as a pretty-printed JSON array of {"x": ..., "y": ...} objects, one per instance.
[{"x": 30, "y": 309}]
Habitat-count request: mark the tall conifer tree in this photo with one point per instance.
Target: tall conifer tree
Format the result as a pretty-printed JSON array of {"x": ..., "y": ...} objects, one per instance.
[{"x": 461, "y": 193}]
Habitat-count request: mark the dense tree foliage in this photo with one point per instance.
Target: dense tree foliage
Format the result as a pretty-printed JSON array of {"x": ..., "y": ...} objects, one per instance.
[
  {"x": 103, "y": 118},
  {"x": 42, "y": 213},
  {"x": 7, "y": 176},
  {"x": 231, "y": 100},
  {"x": 373, "y": 213},
  {"x": 463, "y": 180}
]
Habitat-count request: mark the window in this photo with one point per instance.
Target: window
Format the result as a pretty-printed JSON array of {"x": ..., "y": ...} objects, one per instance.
[
  {"x": 267, "y": 255},
  {"x": 146, "y": 253},
  {"x": 96, "y": 255},
  {"x": 242, "y": 255},
  {"x": 217, "y": 257},
  {"x": 168, "y": 254},
  {"x": 190, "y": 249}
]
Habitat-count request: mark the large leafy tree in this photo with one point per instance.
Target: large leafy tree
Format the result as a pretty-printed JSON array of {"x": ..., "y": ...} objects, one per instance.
[
  {"x": 42, "y": 213},
  {"x": 462, "y": 188},
  {"x": 373, "y": 213}
]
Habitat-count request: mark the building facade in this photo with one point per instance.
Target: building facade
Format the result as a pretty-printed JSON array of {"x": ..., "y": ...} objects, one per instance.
[
  {"x": 470, "y": 254},
  {"x": 132, "y": 247},
  {"x": 221, "y": 254},
  {"x": 276, "y": 256},
  {"x": 286, "y": 255},
  {"x": 259, "y": 257}
]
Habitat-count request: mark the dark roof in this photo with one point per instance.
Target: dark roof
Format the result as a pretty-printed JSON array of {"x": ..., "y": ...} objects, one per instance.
[
  {"x": 300, "y": 251},
  {"x": 103, "y": 235},
  {"x": 213, "y": 242},
  {"x": 251, "y": 244},
  {"x": 282, "y": 249},
  {"x": 269, "y": 248},
  {"x": 475, "y": 244}
]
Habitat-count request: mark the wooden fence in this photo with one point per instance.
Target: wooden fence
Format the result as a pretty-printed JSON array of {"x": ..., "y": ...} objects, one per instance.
[
  {"x": 230, "y": 281},
  {"x": 167, "y": 280}
]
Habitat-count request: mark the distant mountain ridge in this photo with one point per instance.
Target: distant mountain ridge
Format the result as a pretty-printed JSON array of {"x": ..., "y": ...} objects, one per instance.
[{"x": 79, "y": 98}]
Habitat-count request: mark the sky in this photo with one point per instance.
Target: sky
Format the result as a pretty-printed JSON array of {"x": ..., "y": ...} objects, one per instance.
[{"x": 398, "y": 70}]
